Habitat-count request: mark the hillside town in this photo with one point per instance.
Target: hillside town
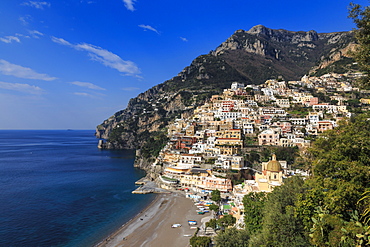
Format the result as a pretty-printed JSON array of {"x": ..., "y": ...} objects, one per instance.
[{"x": 218, "y": 137}]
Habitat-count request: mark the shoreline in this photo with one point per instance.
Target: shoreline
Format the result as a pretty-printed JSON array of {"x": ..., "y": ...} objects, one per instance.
[
  {"x": 111, "y": 236},
  {"x": 152, "y": 226}
]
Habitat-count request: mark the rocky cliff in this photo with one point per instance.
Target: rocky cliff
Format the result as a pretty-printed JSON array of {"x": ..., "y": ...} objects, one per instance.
[{"x": 251, "y": 56}]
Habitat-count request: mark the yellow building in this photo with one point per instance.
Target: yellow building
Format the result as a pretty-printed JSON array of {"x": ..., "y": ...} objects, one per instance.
[
  {"x": 229, "y": 133},
  {"x": 271, "y": 176},
  {"x": 194, "y": 178},
  {"x": 171, "y": 157},
  {"x": 190, "y": 130},
  {"x": 231, "y": 142},
  {"x": 228, "y": 150}
]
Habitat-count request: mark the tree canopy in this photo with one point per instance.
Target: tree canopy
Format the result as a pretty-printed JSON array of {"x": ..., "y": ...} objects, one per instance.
[
  {"x": 232, "y": 238},
  {"x": 200, "y": 241},
  {"x": 253, "y": 206},
  {"x": 340, "y": 161},
  {"x": 361, "y": 17},
  {"x": 216, "y": 196}
]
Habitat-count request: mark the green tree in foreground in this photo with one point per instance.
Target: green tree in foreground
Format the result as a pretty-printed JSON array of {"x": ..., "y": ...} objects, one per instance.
[
  {"x": 214, "y": 207},
  {"x": 341, "y": 165},
  {"x": 232, "y": 238},
  {"x": 280, "y": 225},
  {"x": 253, "y": 208},
  {"x": 200, "y": 241},
  {"x": 361, "y": 17},
  {"x": 212, "y": 223},
  {"x": 340, "y": 161},
  {"x": 226, "y": 220},
  {"x": 216, "y": 196}
]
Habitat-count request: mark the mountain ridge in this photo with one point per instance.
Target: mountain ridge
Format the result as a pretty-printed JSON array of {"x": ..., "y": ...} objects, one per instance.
[{"x": 248, "y": 57}]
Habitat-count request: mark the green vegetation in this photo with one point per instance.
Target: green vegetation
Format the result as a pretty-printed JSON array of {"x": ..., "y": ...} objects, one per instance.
[
  {"x": 253, "y": 157},
  {"x": 361, "y": 17},
  {"x": 200, "y": 241},
  {"x": 232, "y": 238},
  {"x": 214, "y": 207},
  {"x": 298, "y": 111},
  {"x": 186, "y": 98},
  {"x": 238, "y": 176},
  {"x": 169, "y": 179},
  {"x": 342, "y": 66},
  {"x": 289, "y": 154},
  {"x": 212, "y": 223},
  {"x": 216, "y": 196},
  {"x": 331, "y": 208},
  {"x": 253, "y": 206},
  {"x": 280, "y": 226},
  {"x": 154, "y": 144},
  {"x": 250, "y": 141}
]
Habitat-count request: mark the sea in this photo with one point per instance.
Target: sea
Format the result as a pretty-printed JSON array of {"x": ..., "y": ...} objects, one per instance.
[{"x": 58, "y": 189}]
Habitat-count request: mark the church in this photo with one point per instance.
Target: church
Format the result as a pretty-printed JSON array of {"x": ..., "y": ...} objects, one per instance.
[{"x": 271, "y": 176}]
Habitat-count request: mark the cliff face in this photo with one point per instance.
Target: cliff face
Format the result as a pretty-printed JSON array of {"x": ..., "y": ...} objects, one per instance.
[{"x": 247, "y": 56}]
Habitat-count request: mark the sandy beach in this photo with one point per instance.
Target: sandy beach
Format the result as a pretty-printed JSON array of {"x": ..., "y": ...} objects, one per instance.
[{"x": 152, "y": 227}]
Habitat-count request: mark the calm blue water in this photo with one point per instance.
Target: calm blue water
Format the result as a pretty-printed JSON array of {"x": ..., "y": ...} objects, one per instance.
[{"x": 58, "y": 189}]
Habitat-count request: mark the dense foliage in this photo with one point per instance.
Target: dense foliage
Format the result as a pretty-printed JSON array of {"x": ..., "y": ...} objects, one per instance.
[
  {"x": 253, "y": 206},
  {"x": 200, "y": 241},
  {"x": 331, "y": 208},
  {"x": 155, "y": 142},
  {"x": 361, "y": 17},
  {"x": 340, "y": 161},
  {"x": 216, "y": 196},
  {"x": 239, "y": 238},
  {"x": 280, "y": 226}
]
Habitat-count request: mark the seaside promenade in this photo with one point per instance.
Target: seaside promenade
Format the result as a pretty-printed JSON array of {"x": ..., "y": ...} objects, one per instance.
[{"x": 152, "y": 227}]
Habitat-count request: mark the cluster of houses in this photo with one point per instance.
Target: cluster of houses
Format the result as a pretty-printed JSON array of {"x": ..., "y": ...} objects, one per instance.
[{"x": 214, "y": 139}]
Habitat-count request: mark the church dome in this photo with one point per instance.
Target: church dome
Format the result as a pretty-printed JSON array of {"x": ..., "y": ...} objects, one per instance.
[{"x": 274, "y": 165}]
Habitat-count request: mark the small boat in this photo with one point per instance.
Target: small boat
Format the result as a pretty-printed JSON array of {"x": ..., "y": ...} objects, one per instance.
[
  {"x": 192, "y": 222},
  {"x": 176, "y": 225}
]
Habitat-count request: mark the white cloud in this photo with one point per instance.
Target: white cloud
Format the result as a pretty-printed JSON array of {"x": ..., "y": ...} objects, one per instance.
[
  {"x": 61, "y": 41},
  {"x": 10, "y": 39},
  {"x": 83, "y": 94},
  {"x": 24, "y": 88},
  {"x": 16, "y": 38},
  {"x": 35, "y": 34},
  {"x": 22, "y": 35},
  {"x": 97, "y": 96},
  {"x": 7, "y": 68},
  {"x": 147, "y": 27},
  {"x": 103, "y": 56},
  {"x": 184, "y": 39},
  {"x": 129, "y": 4},
  {"x": 25, "y": 19},
  {"x": 130, "y": 88},
  {"x": 87, "y": 85},
  {"x": 36, "y": 4}
]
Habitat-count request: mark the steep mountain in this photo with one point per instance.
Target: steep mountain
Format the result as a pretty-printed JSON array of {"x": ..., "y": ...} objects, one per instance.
[{"x": 249, "y": 57}]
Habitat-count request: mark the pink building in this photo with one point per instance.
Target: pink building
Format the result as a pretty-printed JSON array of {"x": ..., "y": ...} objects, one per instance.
[
  {"x": 324, "y": 125},
  {"x": 215, "y": 183},
  {"x": 314, "y": 101},
  {"x": 269, "y": 137}
]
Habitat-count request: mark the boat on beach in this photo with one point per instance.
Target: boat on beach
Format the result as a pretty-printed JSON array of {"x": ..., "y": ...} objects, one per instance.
[{"x": 192, "y": 222}]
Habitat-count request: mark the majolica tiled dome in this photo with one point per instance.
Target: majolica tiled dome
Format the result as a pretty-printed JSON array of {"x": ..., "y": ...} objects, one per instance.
[{"x": 274, "y": 165}]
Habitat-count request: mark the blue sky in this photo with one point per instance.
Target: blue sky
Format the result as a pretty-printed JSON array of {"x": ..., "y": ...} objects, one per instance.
[{"x": 70, "y": 64}]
